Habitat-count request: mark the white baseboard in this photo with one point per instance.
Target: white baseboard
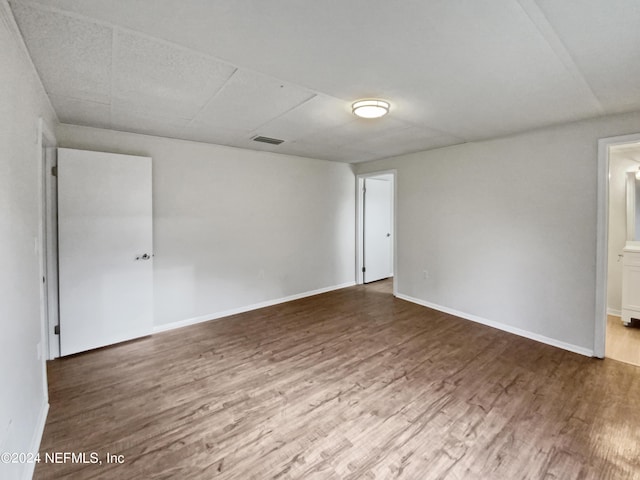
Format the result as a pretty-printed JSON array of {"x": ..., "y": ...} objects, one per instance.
[
  {"x": 614, "y": 313},
  {"x": 34, "y": 446},
  {"x": 248, "y": 308},
  {"x": 501, "y": 326}
]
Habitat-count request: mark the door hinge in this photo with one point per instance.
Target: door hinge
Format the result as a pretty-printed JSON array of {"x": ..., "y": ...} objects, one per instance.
[
  {"x": 364, "y": 269},
  {"x": 56, "y": 330},
  {"x": 54, "y": 170},
  {"x": 43, "y": 280}
]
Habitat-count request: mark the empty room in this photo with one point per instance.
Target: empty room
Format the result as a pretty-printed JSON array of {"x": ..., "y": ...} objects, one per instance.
[{"x": 298, "y": 239}]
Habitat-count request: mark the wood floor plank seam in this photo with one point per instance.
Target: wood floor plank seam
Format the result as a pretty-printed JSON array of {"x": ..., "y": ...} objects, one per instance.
[{"x": 350, "y": 384}]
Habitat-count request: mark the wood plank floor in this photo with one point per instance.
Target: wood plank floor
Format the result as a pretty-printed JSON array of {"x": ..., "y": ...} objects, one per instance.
[
  {"x": 352, "y": 384},
  {"x": 623, "y": 343}
]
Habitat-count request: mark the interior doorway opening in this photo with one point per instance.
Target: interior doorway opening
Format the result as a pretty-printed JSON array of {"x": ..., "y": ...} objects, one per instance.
[
  {"x": 617, "y": 333},
  {"x": 376, "y": 236}
]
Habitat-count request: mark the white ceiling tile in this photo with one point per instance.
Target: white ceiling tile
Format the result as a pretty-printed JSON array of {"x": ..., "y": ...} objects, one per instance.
[
  {"x": 130, "y": 120},
  {"x": 408, "y": 141},
  {"x": 456, "y": 70},
  {"x": 200, "y": 132},
  {"x": 405, "y": 140},
  {"x": 468, "y": 68},
  {"x": 326, "y": 152},
  {"x": 72, "y": 56},
  {"x": 172, "y": 80},
  {"x": 81, "y": 112},
  {"x": 319, "y": 113},
  {"x": 603, "y": 38},
  {"x": 249, "y": 100},
  {"x": 357, "y": 130},
  {"x": 243, "y": 139}
]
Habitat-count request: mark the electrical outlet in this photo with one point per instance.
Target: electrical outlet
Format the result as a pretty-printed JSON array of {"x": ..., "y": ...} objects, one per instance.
[{"x": 425, "y": 274}]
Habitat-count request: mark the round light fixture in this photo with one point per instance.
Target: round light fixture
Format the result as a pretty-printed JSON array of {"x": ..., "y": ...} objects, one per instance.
[{"x": 370, "y": 108}]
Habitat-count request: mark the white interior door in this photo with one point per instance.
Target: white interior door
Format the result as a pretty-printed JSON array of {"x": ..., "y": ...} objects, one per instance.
[
  {"x": 105, "y": 249},
  {"x": 377, "y": 248}
]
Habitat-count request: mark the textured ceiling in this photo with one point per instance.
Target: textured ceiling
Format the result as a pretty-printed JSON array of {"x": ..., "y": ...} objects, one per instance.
[{"x": 224, "y": 71}]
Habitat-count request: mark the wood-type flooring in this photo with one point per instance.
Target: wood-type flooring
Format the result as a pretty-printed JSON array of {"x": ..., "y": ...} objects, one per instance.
[
  {"x": 351, "y": 384},
  {"x": 623, "y": 343}
]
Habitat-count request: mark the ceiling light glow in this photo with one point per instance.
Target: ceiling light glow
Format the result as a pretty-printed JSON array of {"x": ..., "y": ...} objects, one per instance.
[{"x": 370, "y": 108}]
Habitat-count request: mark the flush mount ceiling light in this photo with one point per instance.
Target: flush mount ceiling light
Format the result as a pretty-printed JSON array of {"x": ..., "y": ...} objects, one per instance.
[{"x": 370, "y": 108}]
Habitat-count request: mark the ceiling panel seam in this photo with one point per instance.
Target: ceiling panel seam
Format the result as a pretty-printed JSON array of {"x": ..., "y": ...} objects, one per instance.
[
  {"x": 84, "y": 18},
  {"x": 6, "y": 14},
  {"x": 146, "y": 83},
  {"x": 542, "y": 24},
  {"x": 102, "y": 23},
  {"x": 211, "y": 99},
  {"x": 211, "y": 57},
  {"x": 313, "y": 95},
  {"x": 118, "y": 28}
]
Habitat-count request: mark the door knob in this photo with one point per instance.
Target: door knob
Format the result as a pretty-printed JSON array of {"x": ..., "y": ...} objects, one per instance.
[{"x": 388, "y": 234}]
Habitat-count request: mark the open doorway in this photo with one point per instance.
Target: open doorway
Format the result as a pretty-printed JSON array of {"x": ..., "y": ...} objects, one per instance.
[
  {"x": 376, "y": 228},
  {"x": 618, "y": 323}
]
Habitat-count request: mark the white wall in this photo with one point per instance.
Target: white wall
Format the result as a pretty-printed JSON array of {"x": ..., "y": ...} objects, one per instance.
[
  {"x": 619, "y": 164},
  {"x": 234, "y": 227},
  {"x": 506, "y": 228},
  {"x": 23, "y": 398}
]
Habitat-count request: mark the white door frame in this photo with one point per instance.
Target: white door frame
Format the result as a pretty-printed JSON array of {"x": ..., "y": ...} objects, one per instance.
[
  {"x": 602, "y": 243},
  {"x": 45, "y": 138},
  {"x": 360, "y": 224}
]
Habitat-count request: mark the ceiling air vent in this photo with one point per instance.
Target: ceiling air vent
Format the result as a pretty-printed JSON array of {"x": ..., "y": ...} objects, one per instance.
[{"x": 272, "y": 141}]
